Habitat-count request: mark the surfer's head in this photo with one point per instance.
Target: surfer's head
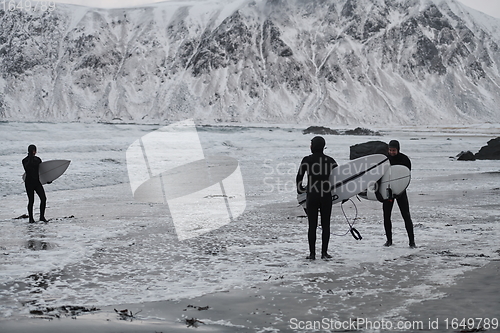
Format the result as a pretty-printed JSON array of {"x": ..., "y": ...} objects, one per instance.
[
  {"x": 393, "y": 147},
  {"x": 31, "y": 150},
  {"x": 318, "y": 144}
]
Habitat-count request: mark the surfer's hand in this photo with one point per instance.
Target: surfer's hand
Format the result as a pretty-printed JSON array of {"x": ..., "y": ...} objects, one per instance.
[{"x": 301, "y": 189}]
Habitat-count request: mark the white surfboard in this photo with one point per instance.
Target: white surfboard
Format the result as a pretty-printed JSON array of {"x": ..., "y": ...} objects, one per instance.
[
  {"x": 354, "y": 177},
  {"x": 392, "y": 184},
  {"x": 49, "y": 171},
  {"x": 357, "y": 175}
]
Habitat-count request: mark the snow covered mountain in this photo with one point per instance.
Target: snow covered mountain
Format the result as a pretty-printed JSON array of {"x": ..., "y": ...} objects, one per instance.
[{"x": 310, "y": 61}]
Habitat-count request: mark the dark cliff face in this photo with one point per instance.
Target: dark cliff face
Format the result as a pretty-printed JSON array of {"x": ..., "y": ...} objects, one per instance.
[{"x": 348, "y": 61}]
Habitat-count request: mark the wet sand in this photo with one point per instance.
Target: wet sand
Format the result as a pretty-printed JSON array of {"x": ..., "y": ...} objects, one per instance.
[
  {"x": 276, "y": 306},
  {"x": 476, "y": 295}
]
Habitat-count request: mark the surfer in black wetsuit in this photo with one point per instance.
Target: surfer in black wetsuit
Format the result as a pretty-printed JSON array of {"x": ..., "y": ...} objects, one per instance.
[
  {"x": 32, "y": 183},
  {"x": 319, "y": 197},
  {"x": 398, "y": 158}
]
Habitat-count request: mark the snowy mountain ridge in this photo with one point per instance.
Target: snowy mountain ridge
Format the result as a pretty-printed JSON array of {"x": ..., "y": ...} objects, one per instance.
[{"x": 274, "y": 61}]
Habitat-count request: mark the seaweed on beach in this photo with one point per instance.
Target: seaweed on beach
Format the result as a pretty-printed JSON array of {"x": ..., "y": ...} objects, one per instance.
[
  {"x": 215, "y": 250},
  {"x": 281, "y": 277},
  {"x": 199, "y": 308},
  {"x": 65, "y": 310},
  {"x": 193, "y": 322},
  {"x": 126, "y": 314},
  {"x": 25, "y": 216}
]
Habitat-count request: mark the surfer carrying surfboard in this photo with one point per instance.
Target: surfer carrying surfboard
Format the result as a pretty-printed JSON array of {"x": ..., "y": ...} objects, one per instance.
[
  {"x": 398, "y": 158},
  {"x": 318, "y": 167},
  {"x": 32, "y": 183}
]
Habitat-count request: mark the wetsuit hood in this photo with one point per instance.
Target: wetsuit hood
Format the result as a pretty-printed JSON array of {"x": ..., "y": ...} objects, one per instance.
[
  {"x": 394, "y": 144},
  {"x": 317, "y": 144},
  {"x": 31, "y": 149}
]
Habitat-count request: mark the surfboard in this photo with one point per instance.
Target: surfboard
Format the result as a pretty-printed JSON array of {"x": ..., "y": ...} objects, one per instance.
[
  {"x": 393, "y": 182},
  {"x": 357, "y": 175},
  {"x": 354, "y": 177},
  {"x": 49, "y": 171}
]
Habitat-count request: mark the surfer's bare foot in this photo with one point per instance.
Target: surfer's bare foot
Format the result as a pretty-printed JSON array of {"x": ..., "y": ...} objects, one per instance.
[
  {"x": 388, "y": 243},
  {"x": 31, "y": 221},
  {"x": 43, "y": 219},
  {"x": 412, "y": 245},
  {"x": 325, "y": 256},
  {"x": 311, "y": 257}
]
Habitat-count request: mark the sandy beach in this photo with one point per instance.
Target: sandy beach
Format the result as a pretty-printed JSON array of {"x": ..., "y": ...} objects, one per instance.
[
  {"x": 106, "y": 252},
  {"x": 275, "y": 307}
]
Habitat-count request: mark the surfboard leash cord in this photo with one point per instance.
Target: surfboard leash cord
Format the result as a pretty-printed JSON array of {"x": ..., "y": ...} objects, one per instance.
[
  {"x": 355, "y": 233},
  {"x": 342, "y": 182}
]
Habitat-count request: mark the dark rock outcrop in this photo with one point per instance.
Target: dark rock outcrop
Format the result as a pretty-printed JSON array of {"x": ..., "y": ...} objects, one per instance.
[
  {"x": 320, "y": 130},
  {"x": 361, "y": 131},
  {"x": 368, "y": 148},
  {"x": 466, "y": 156},
  {"x": 491, "y": 151}
]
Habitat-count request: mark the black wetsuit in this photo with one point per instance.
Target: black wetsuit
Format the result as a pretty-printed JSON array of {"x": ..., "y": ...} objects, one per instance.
[
  {"x": 32, "y": 184},
  {"x": 319, "y": 196},
  {"x": 402, "y": 199}
]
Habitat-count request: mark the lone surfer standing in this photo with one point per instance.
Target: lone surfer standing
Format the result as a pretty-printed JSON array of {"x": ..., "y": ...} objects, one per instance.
[
  {"x": 32, "y": 183},
  {"x": 319, "y": 197},
  {"x": 398, "y": 158}
]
